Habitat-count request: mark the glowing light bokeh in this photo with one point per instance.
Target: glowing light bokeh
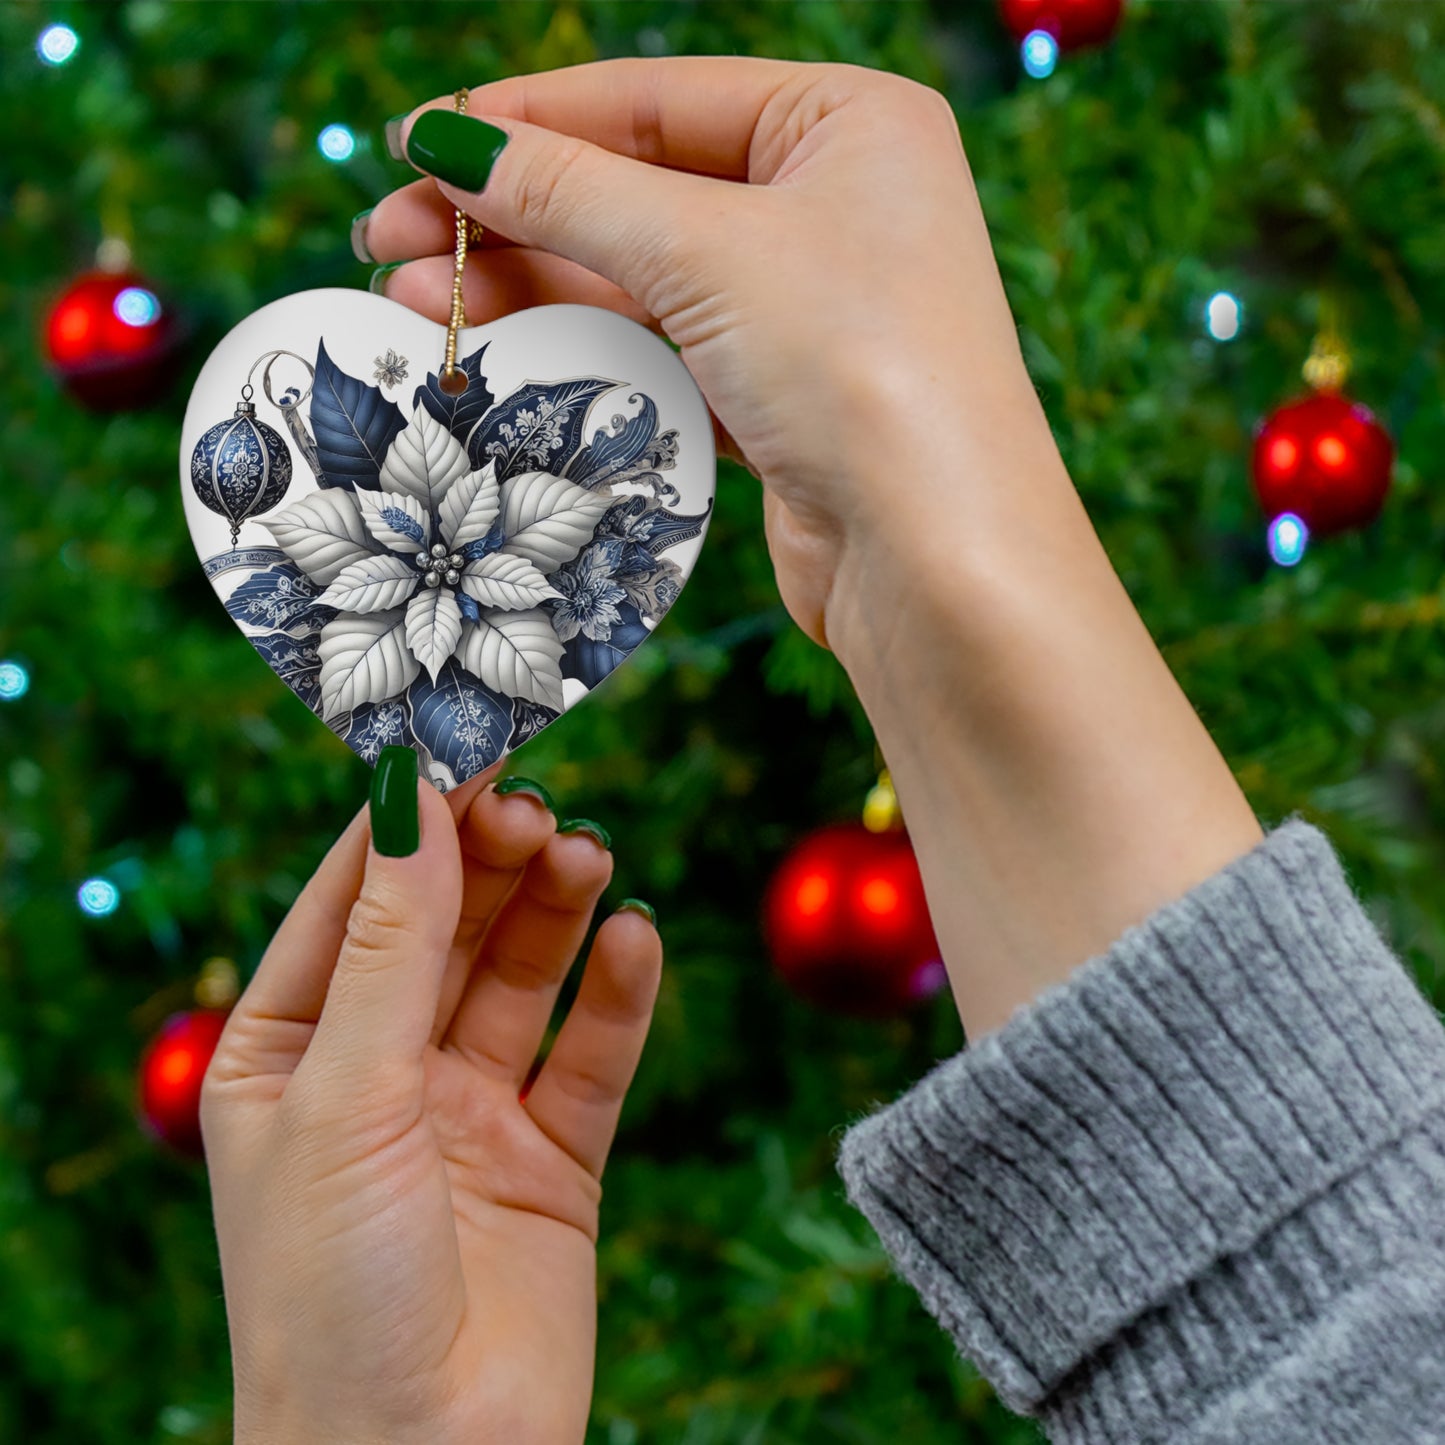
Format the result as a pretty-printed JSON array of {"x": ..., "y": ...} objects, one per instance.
[
  {"x": 1040, "y": 54},
  {"x": 1288, "y": 538},
  {"x": 57, "y": 44},
  {"x": 1223, "y": 316},
  {"x": 14, "y": 681},
  {"x": 336, "y": 143},
  {"x": 98, "y": 897},
  {"x": 812, "y": 895},
  {"x": 137, "y": 307},
  {"x": 1283, "y": 454},
  {"x": 879, "y": 897}
]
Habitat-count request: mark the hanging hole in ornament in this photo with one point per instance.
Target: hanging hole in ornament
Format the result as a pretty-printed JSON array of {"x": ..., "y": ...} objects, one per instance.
[{"x": 453, "y": 382}]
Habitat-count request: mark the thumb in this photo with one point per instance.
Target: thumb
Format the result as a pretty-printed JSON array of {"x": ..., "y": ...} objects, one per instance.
[
  {"x": 382, "y": 1000},
  {"x": 635, "y": 224}
]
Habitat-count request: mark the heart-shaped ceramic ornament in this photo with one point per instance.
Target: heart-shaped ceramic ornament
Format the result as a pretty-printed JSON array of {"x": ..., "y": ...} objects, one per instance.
[{"x": 444, "y": 572}]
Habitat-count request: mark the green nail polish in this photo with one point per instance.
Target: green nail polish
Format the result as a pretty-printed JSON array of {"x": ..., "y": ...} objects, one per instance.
[
  {"x": 636, "y": 905},
  {"x": 359, "y": 248},
  {"x": 377, "y": 284},
  {"x": 525, "y": 785},
  {"x": 393, "y": 136},
  {"x": 455, "y": 148},
  {"x": 395, "y": 825},
  {"x": 586, "y": 825}
]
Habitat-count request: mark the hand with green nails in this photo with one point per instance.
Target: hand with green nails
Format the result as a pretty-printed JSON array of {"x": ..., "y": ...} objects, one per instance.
[
  {"x": 407, "y": 1229},
  {"x": 810, "y": 238}
]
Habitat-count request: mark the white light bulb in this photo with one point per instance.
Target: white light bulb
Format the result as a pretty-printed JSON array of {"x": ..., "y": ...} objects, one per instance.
[
  {"x": 57, "y": 44},
  {"x": 336, "y": 143},
  {"x": 1040, "y": 54},
  {"x": 1223, "y": 316}
]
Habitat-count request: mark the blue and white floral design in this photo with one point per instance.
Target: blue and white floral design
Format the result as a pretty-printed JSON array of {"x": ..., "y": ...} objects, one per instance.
[{"x": 459, "y": 565}]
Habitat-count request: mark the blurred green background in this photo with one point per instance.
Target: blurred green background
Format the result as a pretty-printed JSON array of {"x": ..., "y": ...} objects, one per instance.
[{"x": 1292, "y": 154}]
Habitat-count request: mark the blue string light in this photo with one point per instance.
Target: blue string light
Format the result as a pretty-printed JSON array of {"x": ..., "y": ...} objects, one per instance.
[
  {"x": 98, "y": 897},
  {"x": 1040, "y": 54},
  {"x": 1223, "y": 316},
  {"x": 1288, "y": 538},
  {"x": 57, "y": 44},
  {"x": 336, "y": 143},
  {"x": 137, "y": 307},
  {"x": 14, "y": 681}
]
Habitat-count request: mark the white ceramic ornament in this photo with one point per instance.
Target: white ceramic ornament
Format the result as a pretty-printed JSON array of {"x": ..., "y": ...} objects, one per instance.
[{"x": 444, "y": 572}]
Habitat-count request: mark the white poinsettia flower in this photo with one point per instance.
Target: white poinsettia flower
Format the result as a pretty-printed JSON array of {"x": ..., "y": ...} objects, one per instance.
[{"x": 442, "y": 562}]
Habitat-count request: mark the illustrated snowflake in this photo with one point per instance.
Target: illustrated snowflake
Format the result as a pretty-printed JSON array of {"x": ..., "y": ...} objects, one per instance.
[
  {"x": 442, "y": 562},
  {"x": 390, "y": 369}
]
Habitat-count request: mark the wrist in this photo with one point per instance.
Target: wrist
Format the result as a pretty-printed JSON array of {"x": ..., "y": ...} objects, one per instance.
[{"x": 1057, "y": 784}]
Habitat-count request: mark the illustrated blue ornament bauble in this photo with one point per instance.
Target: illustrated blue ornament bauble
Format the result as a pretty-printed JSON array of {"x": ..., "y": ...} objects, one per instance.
[{"x": 241, "y": 467}]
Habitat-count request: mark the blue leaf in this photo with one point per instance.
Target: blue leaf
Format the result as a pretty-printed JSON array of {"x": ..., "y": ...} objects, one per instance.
[
  {"x": 590, "y": 662},
  {"x": 377, "y": 725},
  {"x": 537, "y": 428},
  {"x": 354, "y": 426},
  {"x": 459, "y": 414},
  {"x": 610, "y": 453},
  {"x": 532, "y": 717},
  {"x": 462, "y": 723},
  {"x": 281, "y": 598},
  {"x": 296, "y": 662},
  {"x": 469, "y": 607},
  {"x": 641, "y": 520}
]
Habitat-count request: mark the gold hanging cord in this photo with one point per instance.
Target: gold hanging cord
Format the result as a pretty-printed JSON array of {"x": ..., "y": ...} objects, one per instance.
[
  {"x": 1328, "y": 366},
  {"x": 452, "y": 381}
]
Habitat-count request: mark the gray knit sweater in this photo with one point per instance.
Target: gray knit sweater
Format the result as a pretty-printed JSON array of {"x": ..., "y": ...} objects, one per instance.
[{"x": 1196, "y": 1192}]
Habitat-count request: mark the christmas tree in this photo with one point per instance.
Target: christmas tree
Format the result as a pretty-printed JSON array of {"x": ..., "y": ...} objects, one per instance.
[{"x": 1285, "y": 160}]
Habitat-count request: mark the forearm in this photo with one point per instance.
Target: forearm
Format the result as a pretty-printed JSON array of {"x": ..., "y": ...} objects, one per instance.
[{"x": 1056, "y": 782}]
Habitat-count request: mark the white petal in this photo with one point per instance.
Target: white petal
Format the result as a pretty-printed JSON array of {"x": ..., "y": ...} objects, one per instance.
[
  {"x": 363, "y": 659},
  {"x": 372, "y": 585},
  {"x": 516, "y": 654},
  {"x": 423, "y": 461},
  {"x": 547, "y": 519},
  {"x": 433, "y": 627},
  {"x": 321, "y": 533},
  {"x": 374, "y": 509},
  {"x": 470, "y": 507},
  {"x": 507, "y": 582}
]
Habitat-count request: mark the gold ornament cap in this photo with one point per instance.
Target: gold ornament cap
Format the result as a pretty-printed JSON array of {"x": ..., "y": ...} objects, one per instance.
[{"x": 881, "y": 813}]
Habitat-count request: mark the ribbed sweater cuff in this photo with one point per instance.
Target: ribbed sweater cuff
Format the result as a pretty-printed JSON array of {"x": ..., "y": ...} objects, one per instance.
[{"x": 1158, "y": 1151}]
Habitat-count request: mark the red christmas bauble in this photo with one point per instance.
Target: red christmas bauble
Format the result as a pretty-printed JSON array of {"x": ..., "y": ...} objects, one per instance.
[
  {"x": 847, "y": 923},
  {"x": 1073, "y": 23},
  {"x": 171, "y": 1071},
  {"x": 1324, "y": 458},
  {"x": 111, "y": 340}
]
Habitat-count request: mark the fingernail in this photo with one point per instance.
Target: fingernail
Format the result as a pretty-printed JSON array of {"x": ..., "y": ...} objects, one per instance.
[
  {"x": 377, "y": 284},
  {"x": 455, "y": 148},
  {"x": 586, "y": 825},
  {"x": 525, "y": 785},
  {"x": 636, "y": 905},
  {"x": 359, "y": 248},
  {"x": 395, "y": 826},
  {"x": 393, "y": 136}
]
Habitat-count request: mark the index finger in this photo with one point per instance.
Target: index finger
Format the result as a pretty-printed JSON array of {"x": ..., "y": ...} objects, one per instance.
[{"x": 698, "y": 113}]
